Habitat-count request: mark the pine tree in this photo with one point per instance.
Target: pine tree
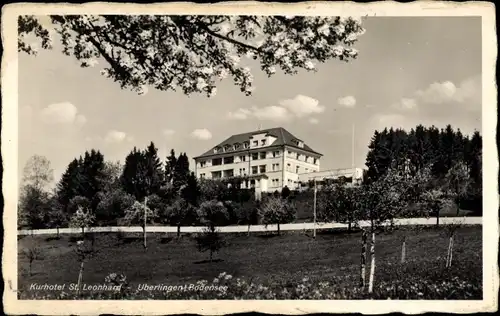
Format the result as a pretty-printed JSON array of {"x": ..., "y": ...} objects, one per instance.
[
  {"x": 154, "y": 174},
  {"x": 170, "y": 165},
  {"x": 71, "y": 183}
]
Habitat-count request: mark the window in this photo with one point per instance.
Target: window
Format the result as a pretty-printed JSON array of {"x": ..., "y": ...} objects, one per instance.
[
  {"x": 276, "y": 182},
  {"x": 263, "y": 142},
  {"x": 288, "y": 167},
  {"x": 276, "y": 154},
  {"x": 315, "y": 161},
  {"x": 289, "y": 153},
  {"x": 237, "y": 146},
  {"x": 246, "y": 145},
  {"x": 216, "y": 175},
  {"x": 297, "y": 168},
  {"x": 228, "y": 173},
  {"x": 263, "y": 155},
  {"x": 243, "y": 172},
  {"x": 255, "y": 143},
  {"x": 276, "y": 166},
  {"x": 243, "y": 158},
  {"x": 228, "y": 160},
  {"x": 255, "y": 170},
  {"x": 262, "y": 169},
  {"x": 298, "y": 156},
  {"x": 202, "y": 176},
  {"x": 255, "y": 156},
  {"x": 217, "y": 162},
  {"x": 203, "y": 164},
  {"x": 307, "y": 170},
  {"x": 252, "y": 183},
  {"x": 227, "y": 148}
]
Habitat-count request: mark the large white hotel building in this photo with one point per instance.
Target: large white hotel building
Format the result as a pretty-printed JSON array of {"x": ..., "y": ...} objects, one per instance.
[{"x": 270, "y": 159}]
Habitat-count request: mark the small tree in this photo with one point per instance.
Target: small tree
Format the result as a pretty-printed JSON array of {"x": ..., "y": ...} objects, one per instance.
[
  {"x": 83, "y": 251},
  {"x": 179, "y": 213},
  {"x": 140, "y": 214},
  {"x": 382, "y": 200},
  {"x": 337, "y": 204},
  {"x": 33, "y": 253},
  {"x": 434, "y": 200},
  {"x": 82, "y": 219},
  {"x": 276, "y": 211},
  {"x": 57, "y": 219},
  {"x": 211, "y": 214},
  {"x": 457, "y": 183},
  {"x": 451, "y": 230}
]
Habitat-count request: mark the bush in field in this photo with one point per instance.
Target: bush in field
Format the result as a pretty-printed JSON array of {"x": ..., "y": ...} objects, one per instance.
[
  {"x": 276, "y": 211},
  {"x": 211, "y": 214}
]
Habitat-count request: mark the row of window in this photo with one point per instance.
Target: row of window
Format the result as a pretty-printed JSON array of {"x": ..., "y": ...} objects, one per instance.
[
  {"x": 238, "y": 146},
  {"x": 255, "y": 156}
]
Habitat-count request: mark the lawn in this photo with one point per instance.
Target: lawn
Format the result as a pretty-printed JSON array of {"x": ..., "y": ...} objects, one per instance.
[{"x": 275, "y": 261}]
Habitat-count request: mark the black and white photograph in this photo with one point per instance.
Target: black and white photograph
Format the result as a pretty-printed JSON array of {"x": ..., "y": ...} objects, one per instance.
[{"x": 241, "y": 156}]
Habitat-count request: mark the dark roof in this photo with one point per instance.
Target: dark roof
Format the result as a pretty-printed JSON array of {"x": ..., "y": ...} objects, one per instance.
[{"x": 283, "y": 137}]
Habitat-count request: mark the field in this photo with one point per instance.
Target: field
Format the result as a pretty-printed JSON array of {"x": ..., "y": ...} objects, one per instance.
[{"x": 275, "y": 262}]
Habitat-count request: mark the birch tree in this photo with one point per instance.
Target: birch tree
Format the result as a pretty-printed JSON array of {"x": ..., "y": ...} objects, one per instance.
[
  {"x": 380, "y": 201},
  {"x": 191, "y": 53}
]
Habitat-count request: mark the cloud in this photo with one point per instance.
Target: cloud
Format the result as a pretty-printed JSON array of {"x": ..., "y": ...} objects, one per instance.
[
  {"x": 348, "y": 101},
  {"x": 240, "y": 114},
  {"x": 313, "y": 120},
  {"x": 447, "y": 91},
  {"x": 288, "y": 109},
  {"x": 203, "y": 134},
  {"x": 302, "y": 105},
  {"x": 406, "y": 104},
  {"x": 168, "y": 132},
  {"x": 62, "y": 113},
  {"x": 114, "y": 136},
  {"x": 272, "y": 113}
]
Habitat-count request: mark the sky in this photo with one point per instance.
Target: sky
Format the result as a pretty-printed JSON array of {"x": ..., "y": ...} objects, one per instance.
[{"x": 410, "y": 71}]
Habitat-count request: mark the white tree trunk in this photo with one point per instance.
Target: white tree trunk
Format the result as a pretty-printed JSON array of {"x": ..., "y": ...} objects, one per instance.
[
  {"x": 80, "y": 276},
  {"x": 449, "y": 257},
  {"x": 372, "y": 264},
  {"x": 363, "y": 260},
  {"x": 403, "y": 251},
  {"x": 448, "y": 254}
]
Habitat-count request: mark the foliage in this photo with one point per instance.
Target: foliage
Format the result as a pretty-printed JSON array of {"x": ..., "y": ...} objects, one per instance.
[
  {"x": 77, "y": 202},
  {"x": 82, "y": 218},
  {"x": 34, "y": 207},
  {"x": 211, "y": 214},
  {"x": 276, "y": 211},
  {"x": 337, "y": 203},
  {"x": 191, "y": 53},
  {"x": 113, "y": 205},
  {"x": 37, "y": 172},
  {"x": 134, "y": 215},
  {"x": 142, "y": 174}
]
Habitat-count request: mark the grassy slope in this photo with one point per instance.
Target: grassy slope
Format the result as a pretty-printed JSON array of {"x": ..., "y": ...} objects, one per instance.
[{"x": 276, "y": 261}]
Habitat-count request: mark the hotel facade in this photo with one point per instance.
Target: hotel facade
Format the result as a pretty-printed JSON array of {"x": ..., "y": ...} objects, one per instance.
[{"x": 270, "y": 159}]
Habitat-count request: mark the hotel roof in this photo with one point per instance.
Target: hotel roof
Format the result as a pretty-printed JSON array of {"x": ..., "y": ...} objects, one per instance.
[{"x": 283, "y": 137}]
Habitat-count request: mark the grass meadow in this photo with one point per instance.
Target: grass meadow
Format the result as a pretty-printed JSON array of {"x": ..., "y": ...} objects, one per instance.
[{"x": 277, "y": 264}]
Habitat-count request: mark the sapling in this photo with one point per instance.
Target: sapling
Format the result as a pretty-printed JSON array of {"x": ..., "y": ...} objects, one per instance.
[
  {"x": 33, "y": 253},
  {"x": 83, "y": 251},
  {"x": 140, "y": 214},
  {"x": 210, "y": 214},
  {"x": 81, "y": 219},
  {"x": 276, "y": 210},
  {"x": 451, "y": 231}
]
